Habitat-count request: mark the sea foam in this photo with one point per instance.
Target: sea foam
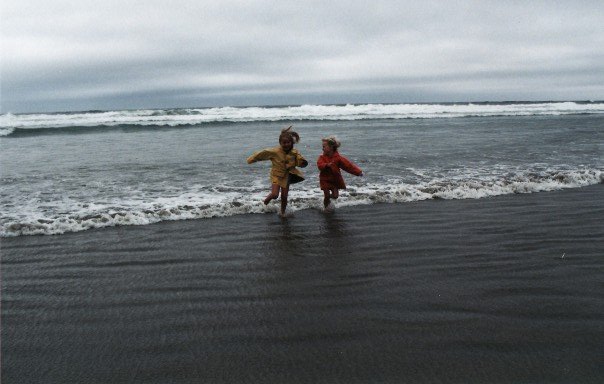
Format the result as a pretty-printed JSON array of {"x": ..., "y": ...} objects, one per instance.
[
  {"x": 194, "y": 116},
  {"x": 198, "y": 205}
]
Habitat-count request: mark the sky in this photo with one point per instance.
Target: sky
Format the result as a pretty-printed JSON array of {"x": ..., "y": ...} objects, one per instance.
[{"x": 79, "y": 55}]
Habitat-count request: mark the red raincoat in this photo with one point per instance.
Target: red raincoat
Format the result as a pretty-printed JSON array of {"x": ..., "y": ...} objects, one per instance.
[{"x": 330, "y": 176}]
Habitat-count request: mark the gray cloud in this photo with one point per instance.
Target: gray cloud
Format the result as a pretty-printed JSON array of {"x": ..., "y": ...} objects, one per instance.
[{"x": 73, "y": 55}]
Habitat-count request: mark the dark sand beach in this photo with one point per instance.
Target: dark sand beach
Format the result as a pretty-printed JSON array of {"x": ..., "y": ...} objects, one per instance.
[{"x": 497, "y": 290}]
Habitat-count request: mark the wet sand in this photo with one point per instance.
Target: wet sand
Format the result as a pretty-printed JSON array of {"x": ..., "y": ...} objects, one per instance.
[{"x": 499, "y": 290}]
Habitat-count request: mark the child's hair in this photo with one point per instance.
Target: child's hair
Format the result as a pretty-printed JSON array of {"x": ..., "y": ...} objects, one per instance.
[
  {"x": 292, "y": 135},
  {"x": 332, "y": 141}
]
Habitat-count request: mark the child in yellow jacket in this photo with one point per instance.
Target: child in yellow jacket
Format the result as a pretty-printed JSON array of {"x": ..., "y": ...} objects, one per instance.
[{"x": 284, "y": 159}]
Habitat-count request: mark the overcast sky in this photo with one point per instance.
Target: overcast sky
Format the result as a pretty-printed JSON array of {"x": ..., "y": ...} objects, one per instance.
[{"x": 60, "y": 55}]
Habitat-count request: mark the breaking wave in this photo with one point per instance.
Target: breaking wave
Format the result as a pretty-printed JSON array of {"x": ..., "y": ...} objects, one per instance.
[
  {"x": 13, "y": 123},
  {"x": 199, "y": 206}
]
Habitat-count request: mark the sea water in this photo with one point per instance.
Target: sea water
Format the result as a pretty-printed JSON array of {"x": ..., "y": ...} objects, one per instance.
[{"x": 68, "y": 172}]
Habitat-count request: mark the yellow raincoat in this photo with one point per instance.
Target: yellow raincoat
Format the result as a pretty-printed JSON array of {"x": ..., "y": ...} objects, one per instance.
[{"x": 283, "y": 171}]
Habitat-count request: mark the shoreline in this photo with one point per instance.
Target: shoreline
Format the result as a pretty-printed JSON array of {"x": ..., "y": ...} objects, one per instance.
[
  {"x": 503, "y": 290},
  {"x": 299, "y": 202}
]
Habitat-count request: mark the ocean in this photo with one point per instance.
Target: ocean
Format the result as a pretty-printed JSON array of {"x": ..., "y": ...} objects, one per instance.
[
  {"x": 76, "y": 171},
  {"x": 135, "y": 247}
]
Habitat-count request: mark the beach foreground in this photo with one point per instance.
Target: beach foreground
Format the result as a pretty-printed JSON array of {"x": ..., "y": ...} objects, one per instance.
[{"x": 497, "y": 290}]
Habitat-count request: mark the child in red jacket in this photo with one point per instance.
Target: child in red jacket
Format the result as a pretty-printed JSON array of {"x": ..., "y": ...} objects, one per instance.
[{"x": 329, "y": 164}]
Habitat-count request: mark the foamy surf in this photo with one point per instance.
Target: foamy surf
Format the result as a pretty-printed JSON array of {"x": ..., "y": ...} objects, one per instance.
[
  {"x": 74, "y": 218},
  {"x": 10, "y": 123}
]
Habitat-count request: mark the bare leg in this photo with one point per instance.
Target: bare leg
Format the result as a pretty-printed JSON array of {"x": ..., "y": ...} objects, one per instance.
[
  {"x": 273, "y": 195},
  {"x": 326, "y": 197},
  {"x": 284, "y": 193},
  {"x": 329, "y": 194}
]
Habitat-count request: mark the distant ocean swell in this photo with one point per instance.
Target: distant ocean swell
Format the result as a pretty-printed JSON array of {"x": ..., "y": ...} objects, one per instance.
[
  {"x": 12, "y": 123},
  {"x": 201, "y": 205}
]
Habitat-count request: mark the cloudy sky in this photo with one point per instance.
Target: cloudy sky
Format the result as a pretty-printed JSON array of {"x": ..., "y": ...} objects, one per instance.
[{"x": 64, "y": 55}]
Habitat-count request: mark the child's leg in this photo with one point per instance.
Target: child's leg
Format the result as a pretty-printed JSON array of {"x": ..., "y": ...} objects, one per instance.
[
  {"x": 273, "y": 195},
  {"x": 284, "y": 193},
  {"x": 335, "y": 193},
  {"x": 326, "y": 197}
]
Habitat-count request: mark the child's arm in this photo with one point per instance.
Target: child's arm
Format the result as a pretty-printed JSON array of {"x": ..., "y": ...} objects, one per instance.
[
  {"x": 300, "y": 160},
  {"x": 265, "y": 154},
  {"x": 349, "y": 166},
  {"x": 323, "y": 163}
]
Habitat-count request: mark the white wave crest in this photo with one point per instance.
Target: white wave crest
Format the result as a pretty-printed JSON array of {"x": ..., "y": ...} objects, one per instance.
[
  {"x": 176, "y": 117},
  {"x": 476, "y": 189},
  {"x": 6, "y": 131},
  {"x": 187, "y": 207}
]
